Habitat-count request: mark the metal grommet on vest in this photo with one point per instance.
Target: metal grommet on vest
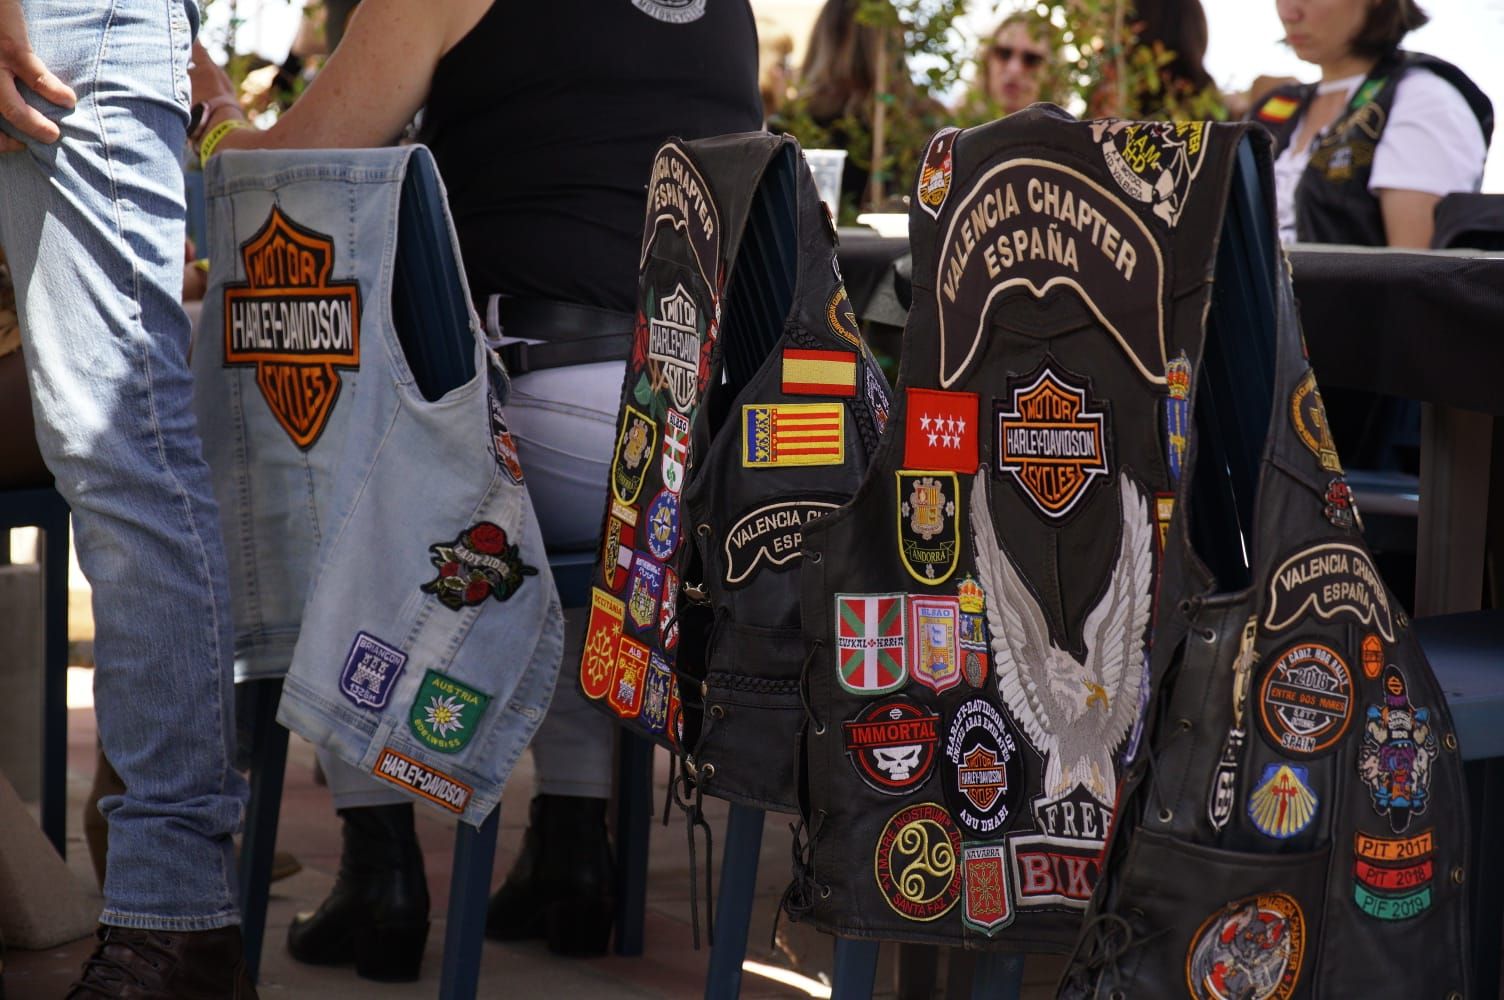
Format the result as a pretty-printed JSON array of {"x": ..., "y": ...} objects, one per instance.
[
  {"x": 1450, "y": 741},
  {"x": 717, "y": 712}
]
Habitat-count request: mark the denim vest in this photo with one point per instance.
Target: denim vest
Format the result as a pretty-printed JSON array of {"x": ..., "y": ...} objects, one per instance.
[{"x": 383, "y": 549}]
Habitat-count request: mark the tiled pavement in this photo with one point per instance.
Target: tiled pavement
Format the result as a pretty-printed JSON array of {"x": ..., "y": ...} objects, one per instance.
[{"x": 670, "y": 968}]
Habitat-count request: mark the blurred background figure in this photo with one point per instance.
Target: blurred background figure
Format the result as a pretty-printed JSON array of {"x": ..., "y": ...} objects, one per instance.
[
  {"x": 1365, "y": 154},
  {"x": 775, "y": 77},
  {"x": 1017, "y": 61},
  {"x": 850, "y": 67},
  {"x": 1158, "y": 69},
  {"x": 1175, "y": 34},
  {"x": 1017, "y": 65}
]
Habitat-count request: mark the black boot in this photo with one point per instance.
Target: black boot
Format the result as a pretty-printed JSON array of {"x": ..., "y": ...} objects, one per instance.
[
  {"x": 132, "y": 964},
  {"x": 377, "y": 913},
  {"x": 563, "y": 886}
]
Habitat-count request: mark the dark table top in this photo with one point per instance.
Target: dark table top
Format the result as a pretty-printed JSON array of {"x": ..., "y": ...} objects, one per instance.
[{"x": 1418, "y": 324}]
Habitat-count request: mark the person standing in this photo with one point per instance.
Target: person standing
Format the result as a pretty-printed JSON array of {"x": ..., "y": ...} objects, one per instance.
[
  {"x": 92, "y": 221},
  {"x": 543, "y": 121}
]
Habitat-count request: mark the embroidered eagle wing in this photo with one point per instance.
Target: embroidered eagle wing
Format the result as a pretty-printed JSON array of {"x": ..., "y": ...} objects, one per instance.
[
  {"x": 1074, "y": 713},
  {"x": 1020, "y": 635},
  {"x": 1114, "y": 629}
]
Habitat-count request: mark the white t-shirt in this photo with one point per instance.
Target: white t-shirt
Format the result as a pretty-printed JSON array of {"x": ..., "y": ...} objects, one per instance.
[{"x": 1432, "y": 143}]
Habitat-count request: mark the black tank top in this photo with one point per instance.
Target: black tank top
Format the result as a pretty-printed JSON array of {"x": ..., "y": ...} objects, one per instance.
[{"x": 544, "y": 120}]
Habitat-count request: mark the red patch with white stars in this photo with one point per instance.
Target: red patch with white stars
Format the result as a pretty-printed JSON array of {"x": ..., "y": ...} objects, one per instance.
[{"x": 941, "y": 430}]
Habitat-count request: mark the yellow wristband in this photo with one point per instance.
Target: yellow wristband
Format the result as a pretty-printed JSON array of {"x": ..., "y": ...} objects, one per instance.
[{"x": 218, "y": 132}]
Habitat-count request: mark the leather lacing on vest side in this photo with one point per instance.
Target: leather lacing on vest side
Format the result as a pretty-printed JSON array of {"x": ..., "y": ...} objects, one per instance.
[
  {"x": 1107, "y": 937},
  {"x": 686, "y": 789},
  {"x": 800, "y": 896},
  {"x": 691, "y": 801},
  {"x": 809, "y": 712}
]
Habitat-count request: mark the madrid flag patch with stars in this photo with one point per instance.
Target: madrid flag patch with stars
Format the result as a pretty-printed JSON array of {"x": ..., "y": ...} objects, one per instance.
[{"x": 940, "y": 430}]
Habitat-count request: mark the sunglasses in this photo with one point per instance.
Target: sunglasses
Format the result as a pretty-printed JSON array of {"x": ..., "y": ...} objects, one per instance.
[{"x": 1006, "y": 53}]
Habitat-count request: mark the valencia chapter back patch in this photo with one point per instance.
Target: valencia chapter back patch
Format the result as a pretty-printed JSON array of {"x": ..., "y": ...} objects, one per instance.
[{"x": 294, "y": 323}]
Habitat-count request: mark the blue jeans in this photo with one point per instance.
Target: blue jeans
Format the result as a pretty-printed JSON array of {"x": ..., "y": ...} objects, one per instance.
[{"x": 93, "y": 229}]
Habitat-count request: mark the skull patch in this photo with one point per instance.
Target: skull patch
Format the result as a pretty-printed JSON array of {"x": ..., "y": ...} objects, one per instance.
[{"x": 892, "y": 744}]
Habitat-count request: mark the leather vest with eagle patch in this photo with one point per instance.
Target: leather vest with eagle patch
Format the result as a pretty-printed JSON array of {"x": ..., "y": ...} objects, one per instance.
[
  {"x": 978, "y": 618},
  {"x": 750, "y": 408},
  {"x": 1294, "y": 823}
]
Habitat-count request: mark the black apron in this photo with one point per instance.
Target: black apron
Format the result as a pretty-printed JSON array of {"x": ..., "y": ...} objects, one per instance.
[{"x": 750, "y": 407}]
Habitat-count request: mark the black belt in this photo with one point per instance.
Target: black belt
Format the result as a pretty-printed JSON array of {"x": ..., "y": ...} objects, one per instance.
[{"x": 573, "y": 334}]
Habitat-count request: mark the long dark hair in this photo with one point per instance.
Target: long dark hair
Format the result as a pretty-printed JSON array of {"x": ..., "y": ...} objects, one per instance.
[
  {"x": 1180, "y": 26},
  {"x": 839, "y": 73}
]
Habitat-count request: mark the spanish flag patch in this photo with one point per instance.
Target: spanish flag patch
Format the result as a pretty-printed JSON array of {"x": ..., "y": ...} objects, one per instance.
[
  {"x": 1278, "y": 109},
  {"x": 819, "y": 373},
  {"x": 782, "y": 434}
]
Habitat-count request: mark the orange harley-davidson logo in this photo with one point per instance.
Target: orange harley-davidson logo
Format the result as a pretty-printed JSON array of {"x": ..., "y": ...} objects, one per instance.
[
  {"x": 1051, "y": 442},
  {"x": 295, "y": 324}
]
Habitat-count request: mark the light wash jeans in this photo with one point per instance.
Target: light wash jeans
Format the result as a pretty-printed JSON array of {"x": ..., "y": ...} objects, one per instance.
[
  {"x": 93, "y": 230},
  {"x": 564, "y": 422}
]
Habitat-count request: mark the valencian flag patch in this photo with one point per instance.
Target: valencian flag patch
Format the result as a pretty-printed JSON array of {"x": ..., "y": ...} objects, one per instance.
[
  {"x": 819, "y": 373},
  {"x": 294, "y": 323},
  {"x": 941, "y": 430},
  {"x": 870, "y": 640},
  {"x": 780, "y": 434}
]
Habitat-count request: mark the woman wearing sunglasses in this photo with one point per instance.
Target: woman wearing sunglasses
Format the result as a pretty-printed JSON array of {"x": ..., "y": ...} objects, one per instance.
[{"x": 1016, "y": 63}]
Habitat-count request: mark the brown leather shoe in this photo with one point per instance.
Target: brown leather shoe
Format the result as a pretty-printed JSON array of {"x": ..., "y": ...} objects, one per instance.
[{"x": 134, "y": 964}]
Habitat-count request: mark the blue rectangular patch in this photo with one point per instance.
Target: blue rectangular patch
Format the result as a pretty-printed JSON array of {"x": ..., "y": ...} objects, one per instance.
[
  {"x": 655, "y": 703},
  {"x": 371, "y": 671},
  {"x": 647, "y": 589}
]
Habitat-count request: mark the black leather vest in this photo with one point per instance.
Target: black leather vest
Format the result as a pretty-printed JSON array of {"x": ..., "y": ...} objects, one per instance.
[
  {"x": 1295, "y": 823},
  {"x": 1332, "y": 200},
  {"x": 750, "y": 407},
  {"x": 978, "y": 616}
]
